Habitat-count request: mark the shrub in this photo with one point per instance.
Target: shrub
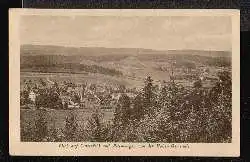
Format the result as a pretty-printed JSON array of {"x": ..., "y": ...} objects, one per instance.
[{"x": 71, "y": 126}]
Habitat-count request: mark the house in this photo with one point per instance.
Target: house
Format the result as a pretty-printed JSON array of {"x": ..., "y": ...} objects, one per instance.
[
  {"x": 68, "y": 103},
  {"x": 115, "y": 96},
  {"x": 32, "y": 96},
  {"x": 70, "y": 89},
  {"x": 131, "y": 95},
  {"x": 73, "y": 105}
]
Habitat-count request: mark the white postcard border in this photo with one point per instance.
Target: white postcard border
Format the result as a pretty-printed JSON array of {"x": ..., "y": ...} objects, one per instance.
[{"x": 16, "y": 147}]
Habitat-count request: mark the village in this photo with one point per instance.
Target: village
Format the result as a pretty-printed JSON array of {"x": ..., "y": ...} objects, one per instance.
[{"x": 47, "y": 94}]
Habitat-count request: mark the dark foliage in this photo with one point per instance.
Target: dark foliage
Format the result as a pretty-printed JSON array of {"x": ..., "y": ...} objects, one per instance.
[
  {"x": 171, "y": 113},
  {"x": 47, "y": 64},
  {"x": 49, "y": 99},
  {"x": 70, "y": 128}
]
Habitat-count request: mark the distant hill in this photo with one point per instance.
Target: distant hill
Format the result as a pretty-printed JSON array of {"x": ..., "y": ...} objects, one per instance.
[
  {"x": 101, "y": 51},
  {"x": 113, "y": 61}
]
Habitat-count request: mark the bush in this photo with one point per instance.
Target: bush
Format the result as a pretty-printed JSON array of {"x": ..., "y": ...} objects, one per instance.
[{"x": 71, "y": 126}]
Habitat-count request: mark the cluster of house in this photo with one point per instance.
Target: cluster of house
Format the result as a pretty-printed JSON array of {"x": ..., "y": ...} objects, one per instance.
[{"x": 88, "y": 96}]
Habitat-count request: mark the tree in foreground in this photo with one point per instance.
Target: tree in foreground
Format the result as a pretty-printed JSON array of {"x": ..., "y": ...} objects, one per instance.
[
  {"x": 123, "y": 110},
  {"x": 70, "y": 129},
  {"x": 148, "y": 96}
]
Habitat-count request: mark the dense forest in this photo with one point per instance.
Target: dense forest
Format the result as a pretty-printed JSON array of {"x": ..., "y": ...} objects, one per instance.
[{"x": 50, "y": 64}]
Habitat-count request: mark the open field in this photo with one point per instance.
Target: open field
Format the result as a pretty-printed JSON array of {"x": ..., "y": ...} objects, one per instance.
[{"x": 57, "y": 117}]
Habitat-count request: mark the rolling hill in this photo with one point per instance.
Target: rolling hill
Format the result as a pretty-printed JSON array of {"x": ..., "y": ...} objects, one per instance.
[
  {"x": 129, "y": 64},
  {"x": 118, "y": 52}
]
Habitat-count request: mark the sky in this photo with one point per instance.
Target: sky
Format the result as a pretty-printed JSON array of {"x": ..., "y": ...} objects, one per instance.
[{"x": 158, "y": 33}]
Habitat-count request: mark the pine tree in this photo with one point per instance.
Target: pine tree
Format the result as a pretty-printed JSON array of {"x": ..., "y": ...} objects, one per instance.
[
  {"x": 123, "y": 111},
  {"x": 138, "y": 107},
  {"x": 148, "y": 95},
  {"x": 219, "y": 125},
  {"x": 163, "y": 96},
  {"x": 70, "y": 127}
]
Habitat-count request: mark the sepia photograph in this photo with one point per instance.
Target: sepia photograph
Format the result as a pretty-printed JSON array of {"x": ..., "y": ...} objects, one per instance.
[{"x": 126, "y": 77}]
